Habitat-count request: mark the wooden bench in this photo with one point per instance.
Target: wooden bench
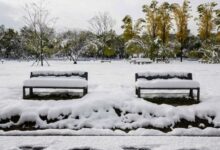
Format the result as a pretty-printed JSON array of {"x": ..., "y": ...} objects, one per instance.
[
  {"x": 56, "y": 80},
  {"x": 166, "y": 81}
]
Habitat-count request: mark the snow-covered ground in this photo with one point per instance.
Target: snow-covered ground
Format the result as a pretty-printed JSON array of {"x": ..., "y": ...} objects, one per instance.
[
  {"x": 109, "y": 143},
  {"x": 111, "y": 102}
]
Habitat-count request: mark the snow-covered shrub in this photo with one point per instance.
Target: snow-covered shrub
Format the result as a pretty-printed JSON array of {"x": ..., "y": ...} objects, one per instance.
[
  {"x": 92, "y": 47},
  {"x": 166, "y": 52},
  {"x": 136, "y": 46},
  {"x": 211, "y": 54},
  {"x": 195, "y": 54}
]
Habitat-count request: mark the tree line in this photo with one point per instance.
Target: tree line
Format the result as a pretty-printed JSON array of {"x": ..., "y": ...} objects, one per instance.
[{"x": 149, "y": 37}]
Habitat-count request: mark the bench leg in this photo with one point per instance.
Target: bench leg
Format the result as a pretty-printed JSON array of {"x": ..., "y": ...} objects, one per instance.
[
  {"x": 31, "y": 91},
  {"x": 198, "y": 95},
  {"x": 138, "y": 92},
  {"x": 24, "y": 95},
  {"x": 85, "y": 91},
  {"x": 191, "y": 93}
]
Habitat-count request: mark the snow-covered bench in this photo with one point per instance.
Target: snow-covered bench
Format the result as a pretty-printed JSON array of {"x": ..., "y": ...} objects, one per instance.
[
  {"x": 106, "y": 60},
  {"x": 141, "y": 61},
  {"x": 166, "y": 60},
  {"x": 56, "y": 80},
  {"x": 166, "y": 81}
]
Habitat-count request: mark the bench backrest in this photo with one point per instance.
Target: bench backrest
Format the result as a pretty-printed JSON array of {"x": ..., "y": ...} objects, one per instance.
[
  {"x": 35, "y": 74},
  {"x": 167, "y": 75}
]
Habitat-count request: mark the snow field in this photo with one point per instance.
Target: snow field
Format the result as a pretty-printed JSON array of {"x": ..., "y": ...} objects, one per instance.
[{"x": 111, "y": 102}]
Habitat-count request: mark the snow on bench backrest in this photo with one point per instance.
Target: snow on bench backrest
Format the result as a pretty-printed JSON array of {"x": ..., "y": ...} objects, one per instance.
[
  {"x": 82, "y": 74},
  {"x": 163, "y": 75}
]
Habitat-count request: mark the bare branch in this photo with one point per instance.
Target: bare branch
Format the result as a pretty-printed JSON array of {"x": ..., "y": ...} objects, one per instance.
[{"x": 101, "y": 23}]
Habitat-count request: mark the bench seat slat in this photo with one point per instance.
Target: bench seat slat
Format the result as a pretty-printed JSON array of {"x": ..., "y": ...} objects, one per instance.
[{"x": 141, "y": 83}]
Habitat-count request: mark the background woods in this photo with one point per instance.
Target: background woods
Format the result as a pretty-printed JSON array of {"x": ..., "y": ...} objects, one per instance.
[{"x": 162, "y": 33}]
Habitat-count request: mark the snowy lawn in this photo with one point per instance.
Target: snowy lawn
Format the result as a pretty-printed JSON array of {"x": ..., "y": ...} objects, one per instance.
[{"x": 111, "y": 106}]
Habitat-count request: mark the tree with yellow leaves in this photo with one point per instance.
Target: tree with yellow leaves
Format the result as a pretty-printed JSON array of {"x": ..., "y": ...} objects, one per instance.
[
  {"x": 181, "y": 16},
  {"x": 164, "y": 22},
  {"x": 128, "y": 32},
  {"x": 132, "y": 35},
  {"x": 131, "y": 29},
  {"x": 217, "y": 21},
  {"x": 206, "y": 20},
  {"x": 158, "y": 24},
  {"x": 152, "y": 18}
]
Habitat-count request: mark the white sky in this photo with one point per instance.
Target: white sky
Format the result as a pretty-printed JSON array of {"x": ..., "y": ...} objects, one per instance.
[{"x": 76, "y": 13}]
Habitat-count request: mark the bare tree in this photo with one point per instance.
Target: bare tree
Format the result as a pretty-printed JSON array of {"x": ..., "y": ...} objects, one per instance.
[
  {"x": 101, "y": 23},
  {"x": 38, "y": 19}
]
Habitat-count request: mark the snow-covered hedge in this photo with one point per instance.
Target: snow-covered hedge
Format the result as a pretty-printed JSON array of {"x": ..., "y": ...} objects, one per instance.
[{"x": 110, "y": 114}]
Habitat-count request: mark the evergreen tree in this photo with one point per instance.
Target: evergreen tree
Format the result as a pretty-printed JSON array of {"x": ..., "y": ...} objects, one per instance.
[
  {"x": 2, "y": 32},
  {"x": 10, "y": 42}
]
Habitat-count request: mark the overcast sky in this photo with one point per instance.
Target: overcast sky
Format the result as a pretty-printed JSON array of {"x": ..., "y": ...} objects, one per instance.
[{"x": 76, "y": 13}]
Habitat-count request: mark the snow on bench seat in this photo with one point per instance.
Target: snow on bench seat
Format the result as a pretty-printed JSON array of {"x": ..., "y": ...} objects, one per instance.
[
  {"x": 164, "y": 75},
  {"x": 56, "y": 82},
  {"x": 171, "y": 83},
  {"x": 58, "y": 74}
]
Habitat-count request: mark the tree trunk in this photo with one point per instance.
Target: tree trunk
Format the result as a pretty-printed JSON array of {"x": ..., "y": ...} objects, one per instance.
[
  {"x": 74, "y": 59},
  {"x": 41, "y": 59},
  {"x": 181, "y": 54}
]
